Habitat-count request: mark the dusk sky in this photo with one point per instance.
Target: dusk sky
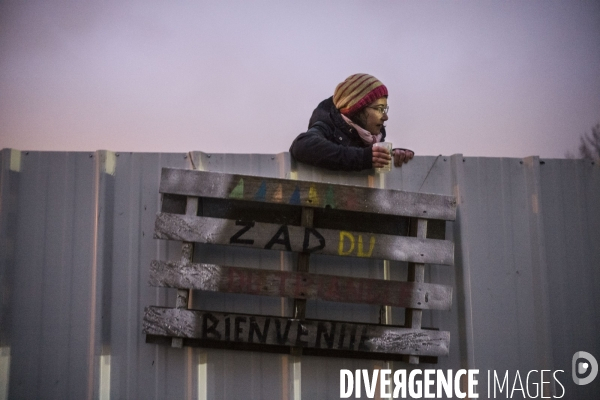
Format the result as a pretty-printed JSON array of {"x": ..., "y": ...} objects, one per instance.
[{"x": 482, "y": 78}]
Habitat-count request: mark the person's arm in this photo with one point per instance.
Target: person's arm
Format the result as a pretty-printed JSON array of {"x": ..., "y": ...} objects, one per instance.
[{"x": 312, "y": 147}]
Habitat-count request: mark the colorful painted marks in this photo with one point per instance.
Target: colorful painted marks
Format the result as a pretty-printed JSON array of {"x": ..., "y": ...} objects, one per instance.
[{"x": 276, "y": 193}]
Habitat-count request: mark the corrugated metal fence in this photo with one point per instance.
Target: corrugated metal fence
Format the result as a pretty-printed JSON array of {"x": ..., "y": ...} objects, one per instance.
[{"x": 76, "y": 237}]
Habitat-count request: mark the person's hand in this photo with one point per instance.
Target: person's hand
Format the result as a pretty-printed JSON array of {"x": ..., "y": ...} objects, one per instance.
[
  {"x": 381, "y": 157},
  {"x": 402, "y": 156}
]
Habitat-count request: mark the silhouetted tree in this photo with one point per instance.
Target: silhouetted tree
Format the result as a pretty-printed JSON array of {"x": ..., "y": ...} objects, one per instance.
[{"x": 589, "y": 144}]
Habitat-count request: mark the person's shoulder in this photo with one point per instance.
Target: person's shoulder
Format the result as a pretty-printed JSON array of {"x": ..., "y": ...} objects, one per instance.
[
  {"x": 322, "y": 113},
  {"x": 326, "y": 104}
]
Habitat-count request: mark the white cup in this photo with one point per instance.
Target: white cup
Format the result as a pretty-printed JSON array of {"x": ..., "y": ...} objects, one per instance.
[{"x": 388, "y": 146}]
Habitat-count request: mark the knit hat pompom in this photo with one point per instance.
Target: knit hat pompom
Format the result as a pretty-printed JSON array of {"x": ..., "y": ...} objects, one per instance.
[{"x": 356, "y": 92}]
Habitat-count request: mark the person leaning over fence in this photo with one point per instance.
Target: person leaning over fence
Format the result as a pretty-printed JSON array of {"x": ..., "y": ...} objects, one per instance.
[{"x": 344, "y": 127}]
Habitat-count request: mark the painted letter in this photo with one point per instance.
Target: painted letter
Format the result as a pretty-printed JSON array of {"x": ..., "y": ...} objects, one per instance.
[
  {"x": 307, "y": 232},
  {"x": 237, "y": 330},
  {"x": 206, "y": 330},
  {"x": 328, "y": 336},
  {"x": 361, "y": 252},
  {"x": 282, "y": 338},
  {"x": 363, "y": 338},
  {"x": 343, "y": 235},
  {"x": 302, "y": 331},
  {"x": 262, "y": 337},
  {"x": 236, "y": 238},
  {"x": 227, "y": 328},
  {"x": 276, "y": 240}
]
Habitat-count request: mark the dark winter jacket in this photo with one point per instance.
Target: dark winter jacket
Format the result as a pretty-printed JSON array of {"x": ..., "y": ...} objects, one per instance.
[{"x": 331, "y": 143}]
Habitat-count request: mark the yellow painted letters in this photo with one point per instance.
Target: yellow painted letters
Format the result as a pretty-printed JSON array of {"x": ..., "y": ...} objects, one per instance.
[{"x": 344, "y": 250}]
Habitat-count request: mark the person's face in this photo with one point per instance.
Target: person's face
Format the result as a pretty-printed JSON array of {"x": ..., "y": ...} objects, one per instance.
[{"x": 376, "y": 115}]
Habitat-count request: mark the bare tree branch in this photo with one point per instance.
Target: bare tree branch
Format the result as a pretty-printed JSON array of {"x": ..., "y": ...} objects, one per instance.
[{"x": 589, "y": 145}]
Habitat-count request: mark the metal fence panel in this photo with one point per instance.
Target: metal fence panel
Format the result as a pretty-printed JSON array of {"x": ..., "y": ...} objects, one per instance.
[{"x": 76, "y": 234}]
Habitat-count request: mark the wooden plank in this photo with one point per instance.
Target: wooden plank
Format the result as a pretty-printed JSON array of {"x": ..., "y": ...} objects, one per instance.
[
  {"x": 302, "y": 239},
  {"x": 279, "y": 331},
  {"x": 416, "y": 273},
  {"x": 299, "y": 310},
  {"x": 187, "y": 254},
  {"x": 305, "y": 193},
  {"x": 302, "y": 285}
]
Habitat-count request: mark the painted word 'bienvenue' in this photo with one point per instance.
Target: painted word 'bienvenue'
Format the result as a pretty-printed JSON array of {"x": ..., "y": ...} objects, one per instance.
[{"x": 284, "y": 332}]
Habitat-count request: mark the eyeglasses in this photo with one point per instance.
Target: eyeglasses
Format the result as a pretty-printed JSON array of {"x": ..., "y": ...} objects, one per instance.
[{"x": 382, "y": 109}]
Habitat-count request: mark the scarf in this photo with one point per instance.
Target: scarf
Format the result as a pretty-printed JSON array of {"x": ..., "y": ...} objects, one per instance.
[{"x": 364, "y": 134}]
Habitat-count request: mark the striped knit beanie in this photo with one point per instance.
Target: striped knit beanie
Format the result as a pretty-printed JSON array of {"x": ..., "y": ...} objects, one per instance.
[{"x": 356, "y": 92}]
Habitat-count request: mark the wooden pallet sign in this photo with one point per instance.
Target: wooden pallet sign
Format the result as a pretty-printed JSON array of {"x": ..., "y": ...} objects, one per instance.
[{"x": 306, "y": 218}]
